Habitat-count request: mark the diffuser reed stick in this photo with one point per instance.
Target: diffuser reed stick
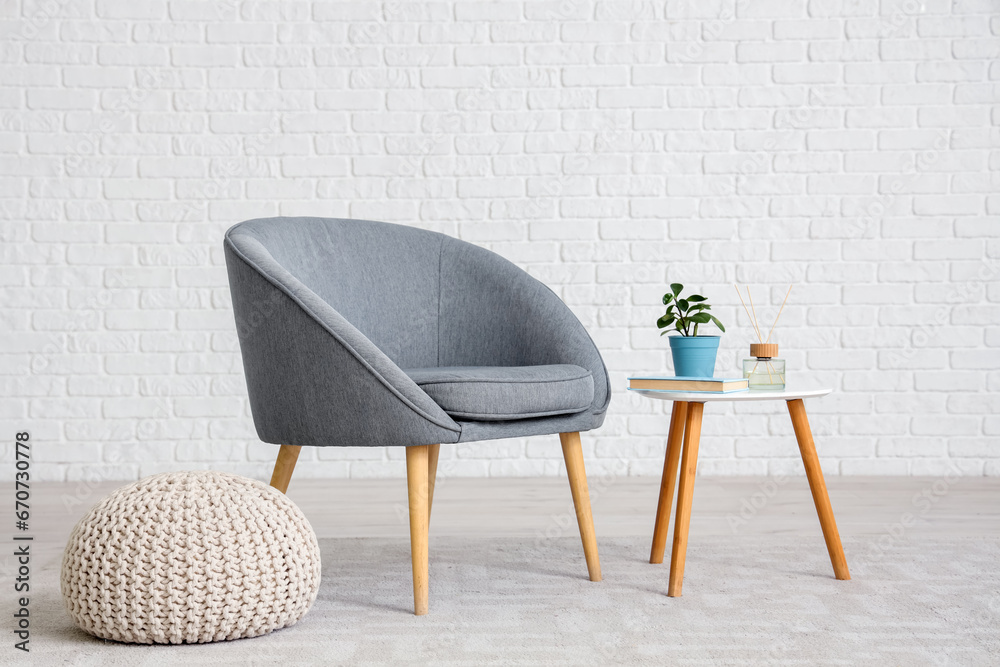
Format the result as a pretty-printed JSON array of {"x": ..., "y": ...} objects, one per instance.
[
  {"x": 754, "y": 311},
  {"x": 779, "y": 314},
  {"x": 740, "y": 294}
]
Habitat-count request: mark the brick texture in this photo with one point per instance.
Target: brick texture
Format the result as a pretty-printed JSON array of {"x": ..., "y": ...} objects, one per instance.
[{"x": 849, "y": 148}]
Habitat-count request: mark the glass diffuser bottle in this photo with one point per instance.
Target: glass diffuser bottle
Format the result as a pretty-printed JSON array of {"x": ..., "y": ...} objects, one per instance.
[{"x": 765, "y": 371}]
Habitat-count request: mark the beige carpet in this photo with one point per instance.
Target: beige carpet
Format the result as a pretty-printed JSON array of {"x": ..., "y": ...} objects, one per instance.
[{"x": 518, "y": 602}]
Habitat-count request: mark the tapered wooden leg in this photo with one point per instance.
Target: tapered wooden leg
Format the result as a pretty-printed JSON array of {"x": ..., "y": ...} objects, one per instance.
[
  {"x": 573, "y": 455},
  {"x": 283, "y": 467},
  {"x": 416, "y": 483},
  {"x": 670, "y": 461},
  {"x": 685, "y": 494},
  {"x": 432, "y": 468},
  {"x": 797, "y": 411}
]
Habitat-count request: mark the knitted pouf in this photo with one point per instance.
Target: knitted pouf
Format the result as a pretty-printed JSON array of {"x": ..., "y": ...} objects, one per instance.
[{"x": 190, "y": 557}]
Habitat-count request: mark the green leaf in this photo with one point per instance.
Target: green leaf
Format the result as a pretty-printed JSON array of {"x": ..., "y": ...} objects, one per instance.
[
  {"x": 665, "y": 321},
  {"x": 695, "y": 298},
  {"x": 701, "y": 318},
  {"x": 676, "y": 288},
  {"x": 664, "y": 333},
  {"x": 666, "y": 298},
  {"x": 683, "y": 304},
  {"x": 718, "y": 323}
]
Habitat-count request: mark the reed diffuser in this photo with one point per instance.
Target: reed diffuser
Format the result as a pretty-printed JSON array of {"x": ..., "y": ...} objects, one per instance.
[{"x": 764, "y": 370}]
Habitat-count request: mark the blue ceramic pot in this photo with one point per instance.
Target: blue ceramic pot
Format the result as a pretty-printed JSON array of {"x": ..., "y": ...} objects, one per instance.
[{"x": 694, "y": 356}]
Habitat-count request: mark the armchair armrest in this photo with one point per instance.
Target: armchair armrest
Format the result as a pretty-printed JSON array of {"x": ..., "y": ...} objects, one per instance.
[
  {"x": 494, "y": 314},
  {"x": 312, "y": 377}
]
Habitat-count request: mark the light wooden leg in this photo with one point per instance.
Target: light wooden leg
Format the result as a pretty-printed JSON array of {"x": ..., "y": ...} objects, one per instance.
[
  {"x": 797, "y": 411},
  {"x": 685, "y": 494},
  {"x": 573, "y": 455},
  {"x": 432, "y": 468},
  {"x": 283, "y": 467},
  {"x": 416, "y": 482},
  {"x": 669, "y": 480}
]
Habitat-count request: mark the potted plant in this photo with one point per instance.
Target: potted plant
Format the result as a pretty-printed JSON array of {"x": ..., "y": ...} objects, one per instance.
[{"x": 694, "y": 355}]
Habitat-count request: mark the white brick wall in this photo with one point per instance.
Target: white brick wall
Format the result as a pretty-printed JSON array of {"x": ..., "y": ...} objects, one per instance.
[{"x": 851, "y": 148}]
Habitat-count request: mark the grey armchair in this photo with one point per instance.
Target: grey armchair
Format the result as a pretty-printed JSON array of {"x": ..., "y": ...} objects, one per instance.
[{"x": 359, "y": 333}]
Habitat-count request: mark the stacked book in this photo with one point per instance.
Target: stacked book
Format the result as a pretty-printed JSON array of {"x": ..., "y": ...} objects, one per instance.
[{"x": 690, "y": 384}]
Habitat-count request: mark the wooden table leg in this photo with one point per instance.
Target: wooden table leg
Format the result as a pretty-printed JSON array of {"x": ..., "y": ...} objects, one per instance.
[
  {"x": 797, "y": 411},
  {"x": 669, "y": 480},
  {"x": 689, "y": 465}
]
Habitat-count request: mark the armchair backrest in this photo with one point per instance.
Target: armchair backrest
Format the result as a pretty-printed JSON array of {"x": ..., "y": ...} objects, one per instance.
[{"x": 384, "y": 279}]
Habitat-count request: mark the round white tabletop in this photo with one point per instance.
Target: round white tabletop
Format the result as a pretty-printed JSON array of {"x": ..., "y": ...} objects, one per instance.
[{"x": 786, "y": 394}]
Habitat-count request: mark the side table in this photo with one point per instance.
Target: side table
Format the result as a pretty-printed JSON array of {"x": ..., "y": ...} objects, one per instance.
[{"x": 685, "y": 432}]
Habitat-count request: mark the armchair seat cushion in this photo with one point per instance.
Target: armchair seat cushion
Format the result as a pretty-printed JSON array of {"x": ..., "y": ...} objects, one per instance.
[{"x": 504, "y": 393}]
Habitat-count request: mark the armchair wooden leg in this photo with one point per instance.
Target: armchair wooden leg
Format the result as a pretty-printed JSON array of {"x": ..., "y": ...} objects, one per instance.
[
  {"x": 797, "y": 411},
  {"x": 573, "y": 455},
  {"x": 432, "y": 468},
  {"x": 670, "y": 462},
  {"x": 417, "y": 488},
  {"x": 283, "y": 467}
]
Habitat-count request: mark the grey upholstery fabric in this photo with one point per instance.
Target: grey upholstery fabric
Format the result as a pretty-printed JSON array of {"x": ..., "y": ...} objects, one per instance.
[
  {"x": 495, "y": 314},
  {"x": 505, "y": 393},
  {"x": 328, "y": 311}
]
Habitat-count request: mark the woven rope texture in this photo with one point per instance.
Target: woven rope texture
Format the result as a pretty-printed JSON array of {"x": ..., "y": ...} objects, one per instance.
[{"x": 190, "y": 557}]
